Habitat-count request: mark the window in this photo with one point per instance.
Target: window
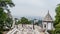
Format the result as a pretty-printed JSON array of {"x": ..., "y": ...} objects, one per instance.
[{"x": 44, "y": 25}]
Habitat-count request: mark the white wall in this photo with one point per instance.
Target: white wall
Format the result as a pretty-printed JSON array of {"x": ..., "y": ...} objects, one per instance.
[{"x": 49, "y": 26}]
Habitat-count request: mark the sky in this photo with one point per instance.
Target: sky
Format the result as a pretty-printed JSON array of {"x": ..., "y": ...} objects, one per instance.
[{"x": 34, "y": 7}]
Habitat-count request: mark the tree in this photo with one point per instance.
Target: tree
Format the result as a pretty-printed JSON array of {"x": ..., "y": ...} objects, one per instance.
[
  {"x": 4, "y": 4},
  {"x": 9, "y": 22},
  {"x": 24, "y": 20},
  {"x": 2, "y": 18},
  {"x": 57, "y": 20}
]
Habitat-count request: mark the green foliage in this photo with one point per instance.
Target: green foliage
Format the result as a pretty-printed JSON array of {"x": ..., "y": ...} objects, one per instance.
[
  {"x": 4, "y": 18},
  {"x": 9, "y": 22},
  {"x": 1, "y": 33},
  {"x": 57, "y": 21},
  {"x": 57, "y": 30},
  {"x": 51, "y": 32},
  {"x": 2, "y": 14},
  {"x": 24, "y": 21},
  {"x": 4, "y": 3},
  {"x": 57, "y": 26}
]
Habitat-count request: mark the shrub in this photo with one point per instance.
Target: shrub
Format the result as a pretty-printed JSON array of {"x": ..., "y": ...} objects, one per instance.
[{"x": 1, "y": 33}]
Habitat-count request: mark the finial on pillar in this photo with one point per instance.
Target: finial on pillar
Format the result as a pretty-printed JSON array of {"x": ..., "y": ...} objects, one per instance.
[{"x": 48, "y": 11}]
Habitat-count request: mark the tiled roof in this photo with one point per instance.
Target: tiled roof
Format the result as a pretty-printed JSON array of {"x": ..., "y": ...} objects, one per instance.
[{"x": 48, "y": 17}]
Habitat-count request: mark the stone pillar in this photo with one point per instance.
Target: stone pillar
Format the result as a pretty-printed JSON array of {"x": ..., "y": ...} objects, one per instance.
[
  {"x": 13, "y": 25},
  {"x": 52, "y": 25}
]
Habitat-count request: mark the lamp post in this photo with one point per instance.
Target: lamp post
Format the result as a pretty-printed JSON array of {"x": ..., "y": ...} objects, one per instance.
[
  {"x": 34, "y": 23},
  {"x": 16, "y": 22}
]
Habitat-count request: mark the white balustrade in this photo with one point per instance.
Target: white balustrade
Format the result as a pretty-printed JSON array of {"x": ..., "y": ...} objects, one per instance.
[{"x": 27, "y": 29}]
